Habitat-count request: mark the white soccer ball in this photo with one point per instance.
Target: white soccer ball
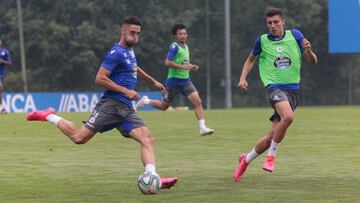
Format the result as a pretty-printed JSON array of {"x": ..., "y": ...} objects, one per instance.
[{"x": 149, "y": 183}]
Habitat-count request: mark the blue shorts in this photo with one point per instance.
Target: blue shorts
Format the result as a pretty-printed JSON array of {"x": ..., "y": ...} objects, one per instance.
[{"x": 110, "y": 113}]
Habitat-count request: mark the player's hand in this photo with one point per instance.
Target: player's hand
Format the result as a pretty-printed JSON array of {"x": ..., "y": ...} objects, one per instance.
[
  {"x": 195, "y": 68},
  {"x": 133, "y": 95},
  {"x": 243, "y": 84},
  {"x": 190, "y": 66},
  {"x": 159, "y": 86},
  {"x": 2, "y": 61},
  {"x": 306, "y": 44}
]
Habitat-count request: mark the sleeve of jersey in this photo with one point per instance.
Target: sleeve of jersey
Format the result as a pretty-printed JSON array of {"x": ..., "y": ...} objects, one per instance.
[
  {"x": 257, "y": 47},
  {"x": 8, "y": 58},
  {"x": 172, "y": 52},
  {"x": 112, "y": 60},
  {"x": 299, "y": 38}
]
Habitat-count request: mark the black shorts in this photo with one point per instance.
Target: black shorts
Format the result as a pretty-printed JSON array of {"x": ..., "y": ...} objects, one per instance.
[
  {"x": 173, "y": 90},
  {"x": 276, "y": 95},
  {"x": 111, "y": 113}
]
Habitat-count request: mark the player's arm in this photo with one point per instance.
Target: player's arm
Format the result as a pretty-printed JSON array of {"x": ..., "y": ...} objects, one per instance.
[
  {"x": 248, "y": 65},
  {"x": 142, "y": 74},
  {"x": 7, "y": 60},
  {"x": 172, "y": 64},
  {"x": 309, "y": 54},
  {"x": 173, "y": 50},
  {"x": 102, "y": 79}
]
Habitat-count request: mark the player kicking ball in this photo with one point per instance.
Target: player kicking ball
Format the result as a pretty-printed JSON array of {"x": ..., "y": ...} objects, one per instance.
[
  {"x": 118, "y": 74},
  {"x": 279, "y": 67}
]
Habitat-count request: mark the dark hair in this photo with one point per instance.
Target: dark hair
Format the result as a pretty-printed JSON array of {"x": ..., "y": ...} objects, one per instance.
[
  {"x": 132, "y": 20},
  {"x": 273, "y": 12},
  {"x": 177, "y": 26}
]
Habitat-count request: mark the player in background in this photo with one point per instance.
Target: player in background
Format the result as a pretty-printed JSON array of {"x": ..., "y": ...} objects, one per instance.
[
  {"x": 118, "y": 74},
  {"x": 4, "y": 60},
  {"x": 280, "y": 54},
  {"x": 178, "y": 79}
]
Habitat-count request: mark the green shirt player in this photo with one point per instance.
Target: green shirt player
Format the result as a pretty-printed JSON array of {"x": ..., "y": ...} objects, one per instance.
[
  {"x": 178, "y": 80},
  {"x": 280, "y": 52}
]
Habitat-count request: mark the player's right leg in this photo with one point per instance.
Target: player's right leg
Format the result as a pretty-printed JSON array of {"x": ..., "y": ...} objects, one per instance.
[
  {"x": 286, "y": 118},
  {"x": 78, "y": 136},
  {"x": 199, "y": 112},
  {"x": 161, "y": 105}
]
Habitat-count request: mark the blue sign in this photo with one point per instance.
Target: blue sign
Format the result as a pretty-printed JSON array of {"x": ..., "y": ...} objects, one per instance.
[
  {"x": 62, "y": 102},
  {"x": 344, "y": 26}
]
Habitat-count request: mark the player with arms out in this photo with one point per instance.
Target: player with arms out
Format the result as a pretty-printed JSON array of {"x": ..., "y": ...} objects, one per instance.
[
  {"x": 280, "y": 52},
  {"x": 4, "y": 60},
  {"x": 178, "y": 79},
  {"x": 118, "y": 74}
]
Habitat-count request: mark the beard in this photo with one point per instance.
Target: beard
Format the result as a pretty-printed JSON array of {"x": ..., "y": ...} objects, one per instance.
[{"x": 130, "y": 43}]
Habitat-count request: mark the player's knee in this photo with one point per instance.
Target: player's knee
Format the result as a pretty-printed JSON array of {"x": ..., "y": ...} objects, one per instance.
[
  {"x": 148, "y": 140},
  {"x": 288, "y": 119},
  {"x": 79, "y": 140},
  {"x": 197, "y": 103},
  {"x": 164, "y": 106}
]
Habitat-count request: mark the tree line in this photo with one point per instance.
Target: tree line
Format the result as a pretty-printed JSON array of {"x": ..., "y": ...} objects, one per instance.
[{"x": 66, "y": 41}]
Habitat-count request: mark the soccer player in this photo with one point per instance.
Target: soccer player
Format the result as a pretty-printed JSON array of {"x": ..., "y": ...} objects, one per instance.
[
  {"x": 4, "y": 60},
  {"x": 118, "y": 74},
  {"x": 280, "y": 54},
  {"x": 178, "y": 79}
]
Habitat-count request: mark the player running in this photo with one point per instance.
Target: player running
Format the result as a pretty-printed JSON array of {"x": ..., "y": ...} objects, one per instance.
[
  {"x": 280, "y": 54},
  {"x": 178, "y": 79},
  {"x": 118, "y": 74}
]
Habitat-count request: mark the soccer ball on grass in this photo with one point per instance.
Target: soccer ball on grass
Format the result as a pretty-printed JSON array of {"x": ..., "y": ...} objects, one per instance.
[{"x": 149, "y": 183}]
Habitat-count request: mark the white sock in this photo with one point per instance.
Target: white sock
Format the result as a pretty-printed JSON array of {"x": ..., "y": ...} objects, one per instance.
[
  {"x": 54, "y": 119},
  {"x": 146, "y": 100},
  {"x": 202, "y": 123},
  {"x": 251, "y": 156},
  {"x": 150, "y": 167},
  {"x": 273, "y": 148},
  {"x": 1, "y": 107}
]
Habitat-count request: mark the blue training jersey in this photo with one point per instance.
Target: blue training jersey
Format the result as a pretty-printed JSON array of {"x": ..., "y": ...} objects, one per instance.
[
  {"x": 299, "y": 37},
  {"x": 4, "y": 55},
  {"x": 121, "y": 63},
  {"x": 172, "y": 52}
]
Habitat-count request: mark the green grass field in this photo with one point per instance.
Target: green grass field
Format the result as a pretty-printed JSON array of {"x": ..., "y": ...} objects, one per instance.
[{"x": 319, "y": 160}]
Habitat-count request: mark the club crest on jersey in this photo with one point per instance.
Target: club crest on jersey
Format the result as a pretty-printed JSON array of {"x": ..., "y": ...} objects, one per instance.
[
  {"x": 279, "y": 49},
  {"x": 282, "y": 62}
]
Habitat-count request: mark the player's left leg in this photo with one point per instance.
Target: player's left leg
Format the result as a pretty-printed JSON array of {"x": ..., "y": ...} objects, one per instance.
[
  {"x": 147, "y": 146},
  {"x": 2, "y": 109},
  {"x": 199, "y": 112},
  {"x": 147, "y": 153},
  {"x": 262, "y": 145}
]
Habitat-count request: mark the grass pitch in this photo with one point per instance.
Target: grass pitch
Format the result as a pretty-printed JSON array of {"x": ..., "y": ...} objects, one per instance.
[{"x": 317, "y": 162}]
